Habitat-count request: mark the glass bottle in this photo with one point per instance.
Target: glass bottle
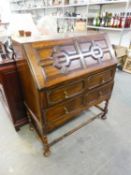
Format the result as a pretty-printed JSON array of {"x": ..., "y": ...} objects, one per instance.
[
  {"x": 106, "y": 19},
  {"x": 130, "y": 20},
  {"x": 109, "y": 19},
  {"x": 120, "y": 21},
  {"x": 103, "y": 20},
  {"x": 97, "y": 20},
  {"x": 112, "y": 21},
  {"x": 127, "y": 20},
  {"x": 123, "y": 20}
]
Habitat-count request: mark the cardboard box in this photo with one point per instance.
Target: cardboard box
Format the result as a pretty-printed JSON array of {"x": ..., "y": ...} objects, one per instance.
[
  {"x": 121, "y": 55},
  {"x": 120, "y": 51},
  {"x": 80, "y": 26}
]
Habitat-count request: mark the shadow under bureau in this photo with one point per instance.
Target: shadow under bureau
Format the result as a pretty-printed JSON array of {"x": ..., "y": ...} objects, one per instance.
[{"x": 63, "y": 75}]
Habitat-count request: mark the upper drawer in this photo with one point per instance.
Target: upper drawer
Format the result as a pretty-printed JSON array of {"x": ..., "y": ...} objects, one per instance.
[
  {"x": 58, "y": 94},
  {"x": 100, "y": 78}
]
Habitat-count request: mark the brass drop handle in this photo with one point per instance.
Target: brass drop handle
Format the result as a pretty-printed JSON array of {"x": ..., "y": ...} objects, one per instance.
[
  {"x": 66, "y": 110},
  {"x": 66, "y": 94},
  {"x": 103, "y": 80}
]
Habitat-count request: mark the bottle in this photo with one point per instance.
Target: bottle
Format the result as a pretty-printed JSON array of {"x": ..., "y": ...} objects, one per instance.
[
  {"x": 106, "y": 19},
  {"x": 120, "y": 21},
  {"x": 130, "y": 20},
  {"x": 96, "y": 20},
  {"x": 123, "y": 20},
  {"x": 127, "y": 20},
  {"x": 72, "y": 28},
  {"x": 115, "y": 20},
  {"x": 112, "y": 21},
  {"x": 109, "y": 19},
  {"x": 103, "y": 20}
]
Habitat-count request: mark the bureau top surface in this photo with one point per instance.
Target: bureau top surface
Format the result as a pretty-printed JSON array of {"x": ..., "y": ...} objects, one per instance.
[
  {"x": 60, "y": 59},
  {"x": 39, "y": 38}
]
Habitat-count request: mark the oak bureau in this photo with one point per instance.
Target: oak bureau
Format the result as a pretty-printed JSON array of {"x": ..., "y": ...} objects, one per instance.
[{"x": 63, "y": 75}]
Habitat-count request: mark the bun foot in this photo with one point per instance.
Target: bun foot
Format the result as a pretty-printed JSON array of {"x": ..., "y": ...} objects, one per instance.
[
  {"x": 31, "y": 128},
  {"x": 17, "y": 129},
  {"x": 47, "y": 153},
  {"x": 103, "y": 117}
]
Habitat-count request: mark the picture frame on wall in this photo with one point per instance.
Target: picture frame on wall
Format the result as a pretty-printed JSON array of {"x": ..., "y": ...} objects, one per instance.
[{"x": 127, "y": 65}]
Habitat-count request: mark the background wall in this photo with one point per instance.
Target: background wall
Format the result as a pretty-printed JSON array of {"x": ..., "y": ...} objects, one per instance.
[
  {"x": 114, "y": 36},
  {"x": 5, "y": 10}
]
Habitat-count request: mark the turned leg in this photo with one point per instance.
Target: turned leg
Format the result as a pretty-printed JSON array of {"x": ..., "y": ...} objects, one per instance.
[
  {"x": 47, "y": 151},
  {"x": 17, "y": 128},
  {"x": 30, "y": 121},
  {"x": 103, "y": 116}
]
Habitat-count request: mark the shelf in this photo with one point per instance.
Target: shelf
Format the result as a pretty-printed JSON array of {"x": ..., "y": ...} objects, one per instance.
[
  {"x": 75, "y": 5},
  {"x": 109, "y": 28},
  {"x": 50, "y": 7},
  {"x": 68, "y": 5},
  {"x": 16, "y": 1},
  {"x": 4, "y": 23},
  {"x": 71, "y": 17},
  {"x": 82, "y": 4},
  {"x": 57, "y": 6},
  {"x": 27, "y": 9},
  {"x": 65, "y": 6},
  {"x": 108, "y": 2}
]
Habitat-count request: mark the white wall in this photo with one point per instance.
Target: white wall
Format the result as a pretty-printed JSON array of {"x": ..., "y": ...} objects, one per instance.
[
  {"x": 5, "y": 10},
  {"x": 113, "y": 35}
]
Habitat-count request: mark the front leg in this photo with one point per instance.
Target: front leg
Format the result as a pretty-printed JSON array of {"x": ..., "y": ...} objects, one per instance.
[
  {"x": 30, "y": 121},
  {"x": 47, "y": 151},
  {"x": 105, "y": 110}
]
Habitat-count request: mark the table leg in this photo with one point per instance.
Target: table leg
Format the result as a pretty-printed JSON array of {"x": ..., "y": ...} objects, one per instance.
[
  {"x": 103, "y": 116},
  {"x": 47, "y": 151},
  {"x": 30, "y": 121}
]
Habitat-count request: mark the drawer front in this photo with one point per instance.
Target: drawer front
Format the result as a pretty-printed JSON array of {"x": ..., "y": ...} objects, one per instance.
[
  {"x": 61, "y": 113},
  {"x": 100, "y": 78},
  {"x": 60, "y": 94},
  {"x": 98, "y": 95}
]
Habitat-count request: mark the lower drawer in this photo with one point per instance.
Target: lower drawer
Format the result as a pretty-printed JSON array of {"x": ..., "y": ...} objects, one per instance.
[
  {"x": 98, "y": 95},
  {"x": 59, "y": 114}
]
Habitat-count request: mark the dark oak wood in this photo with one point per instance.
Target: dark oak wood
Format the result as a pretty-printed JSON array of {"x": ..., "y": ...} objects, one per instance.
[
  {"x": 62, "y": 77},
  {"x": 12, "y": 92}
]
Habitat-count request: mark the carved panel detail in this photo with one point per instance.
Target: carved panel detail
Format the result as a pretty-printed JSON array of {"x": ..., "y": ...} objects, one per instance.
[
  {"x": 76, "y": 55},
  {"x": 63, "y": 59}
]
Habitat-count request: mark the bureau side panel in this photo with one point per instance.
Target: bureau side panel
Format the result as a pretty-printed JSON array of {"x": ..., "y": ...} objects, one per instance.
[{"x": 31, "y": 94}]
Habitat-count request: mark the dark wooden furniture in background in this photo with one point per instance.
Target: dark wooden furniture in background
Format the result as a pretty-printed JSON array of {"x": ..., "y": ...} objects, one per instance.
[
  {"x": 61, "y": 77},
  {"x": 11, "y": 93}
]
